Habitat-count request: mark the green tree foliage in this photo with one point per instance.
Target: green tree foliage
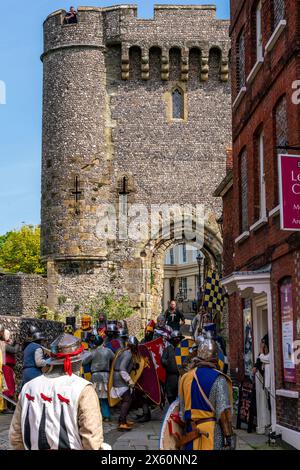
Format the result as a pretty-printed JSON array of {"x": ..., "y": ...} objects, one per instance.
[
  {"x": 115, "y": 308},
  {"x": 20, "y": 251}
]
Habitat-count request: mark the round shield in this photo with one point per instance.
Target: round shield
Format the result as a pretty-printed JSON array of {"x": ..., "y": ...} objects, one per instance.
[
  {"x": 171, "y": 431},
  {"x": 135, "y": 375}
]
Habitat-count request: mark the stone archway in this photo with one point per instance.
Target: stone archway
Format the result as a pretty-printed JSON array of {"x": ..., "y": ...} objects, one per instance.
[{"x": 153, "y": 265}]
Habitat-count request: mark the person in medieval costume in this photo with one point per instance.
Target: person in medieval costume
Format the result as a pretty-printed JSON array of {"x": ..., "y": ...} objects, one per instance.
[
  {"x": 112, "y": 341},
  {"x": 174, "y": 317},
  {"x": 34, "y": 359},
  {"x": 8, "y": 363},
  {"x": 169, "y": 362},
  {"x": 2, "y": 380},
  {"x": 70, "y": 325},
  {"x": 123, "y": 337},
  {"x": 149, "y": 332},
  {"x": 101, "y": 325},
  {"x": 101, "y": 360},
  {"x": 58, "y": 410},
  {"x": 197, "y": 322},
  {"x": 161, "y": 329},
  {"x": 123, "y": 385},
  {"x": 205, "y": 396},
  {"x": 85, "y": 330}
]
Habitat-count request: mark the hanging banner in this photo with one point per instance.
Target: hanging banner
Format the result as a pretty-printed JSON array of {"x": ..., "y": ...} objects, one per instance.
[
  {"x": 289, "y": 191},
  {"x": 287, "y": 319},
  {"x": 248, "y": 339}
]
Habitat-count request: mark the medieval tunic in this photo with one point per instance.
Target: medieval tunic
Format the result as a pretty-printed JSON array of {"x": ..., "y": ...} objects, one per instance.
[
  {"x": 2, "y": 383},
  {"x": 205, "y": 394},
  {"x": 57, "y": 413},
  {"x": 33, "y": 362},
  {"x": 101, "y": 359}
]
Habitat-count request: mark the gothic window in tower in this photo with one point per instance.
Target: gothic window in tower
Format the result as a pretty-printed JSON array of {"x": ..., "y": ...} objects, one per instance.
[{"x": 177, "y": 104}]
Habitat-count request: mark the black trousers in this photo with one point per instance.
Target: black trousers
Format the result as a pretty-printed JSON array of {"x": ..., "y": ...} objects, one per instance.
[{"x": 125, "y": 406}]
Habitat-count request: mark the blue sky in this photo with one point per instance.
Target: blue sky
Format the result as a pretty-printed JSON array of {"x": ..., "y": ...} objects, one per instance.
[{"x": 21, "y": 43}]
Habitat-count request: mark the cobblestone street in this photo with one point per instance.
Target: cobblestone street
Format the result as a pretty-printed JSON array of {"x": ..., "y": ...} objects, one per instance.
[{"x": 144, "y": 436}]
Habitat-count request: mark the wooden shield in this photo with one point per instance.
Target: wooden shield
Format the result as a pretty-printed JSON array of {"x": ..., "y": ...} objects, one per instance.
[
  {"x": 135, "y": 375},
  {"x": 148, "y": 381},
  {"x": 170, "y": 430}
]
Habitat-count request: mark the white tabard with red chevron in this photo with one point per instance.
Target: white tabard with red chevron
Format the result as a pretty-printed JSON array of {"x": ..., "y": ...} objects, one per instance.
[{"x": 49, "y": 412}]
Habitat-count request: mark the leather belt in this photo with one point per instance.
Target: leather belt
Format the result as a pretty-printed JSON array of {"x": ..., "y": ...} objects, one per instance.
[{"x": 204, "y": 420}]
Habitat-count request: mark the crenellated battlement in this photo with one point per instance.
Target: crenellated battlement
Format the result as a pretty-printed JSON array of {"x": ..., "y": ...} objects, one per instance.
[{"x": 182, "y": 27}]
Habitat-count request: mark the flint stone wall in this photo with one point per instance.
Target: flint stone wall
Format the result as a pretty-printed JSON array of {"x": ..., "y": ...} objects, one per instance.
[{"x": 21, "y": 294}]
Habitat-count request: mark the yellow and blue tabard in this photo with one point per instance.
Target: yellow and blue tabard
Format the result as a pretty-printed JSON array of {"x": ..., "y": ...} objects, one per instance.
[
  {"x": 182, "y": 352},
  {"x": 194, "y": 389},
  {"x": 86, "y": 369}
]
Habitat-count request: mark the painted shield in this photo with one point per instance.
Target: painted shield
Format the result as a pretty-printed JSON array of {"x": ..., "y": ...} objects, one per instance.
[
  {"x": 171, "y": 431},
  {"x": 157, "y": 348},
  {"x": 135, "y": 375},
  {"x": 182, "y": 351},
  {"x": 148, "y": 382}
]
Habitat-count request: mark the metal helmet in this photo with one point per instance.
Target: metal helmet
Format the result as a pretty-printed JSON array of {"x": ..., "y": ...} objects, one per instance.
[
  {"x": 65, "y": 345},
  {"x": 176, "y": 334},
  {"x": 207, "y": 348},
  {"x": 123, "y": 333},
  {"x": 112, "y": 328},
  {"x": 161, "y": 319},
  {"x": 38, "y": 336},
  {"x": 132, "y": 341}
]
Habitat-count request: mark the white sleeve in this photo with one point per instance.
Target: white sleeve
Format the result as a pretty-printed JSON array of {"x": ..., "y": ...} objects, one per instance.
[
  {"x": 39, "y": 358},
  {"x": 125, "y": 376},
  {"x": 265, "y": 358}
]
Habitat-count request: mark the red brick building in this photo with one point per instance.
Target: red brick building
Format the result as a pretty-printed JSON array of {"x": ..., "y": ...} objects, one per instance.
[{"x": 262, "y": 261}]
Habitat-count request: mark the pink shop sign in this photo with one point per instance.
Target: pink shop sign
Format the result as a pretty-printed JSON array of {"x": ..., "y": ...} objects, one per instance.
[{"x": 289, "y": 190}]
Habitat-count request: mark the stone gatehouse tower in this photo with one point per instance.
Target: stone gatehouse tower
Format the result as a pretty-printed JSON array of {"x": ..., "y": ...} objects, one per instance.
[{"x": 136, "y": 111}]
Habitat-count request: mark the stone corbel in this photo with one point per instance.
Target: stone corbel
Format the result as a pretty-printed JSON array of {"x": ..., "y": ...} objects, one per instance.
[
  {"x": 185, "y": 66},
  {"x": 125, "y": 64},
  {"x": 165, "y": 66},
  {"x": 204, "y": 68},
  {"x": 224, "y": 70},
  {"x": 145, "y": 67}
]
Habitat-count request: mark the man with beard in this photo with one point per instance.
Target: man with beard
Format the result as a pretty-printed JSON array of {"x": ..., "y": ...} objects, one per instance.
[
  {"x": 169, "y": 362},
  {"x": 161, "y": 330},
  {"x": 174, "y": 317}
]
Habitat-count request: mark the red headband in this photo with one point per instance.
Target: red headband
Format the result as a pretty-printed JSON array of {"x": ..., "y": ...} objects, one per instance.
[{"x": 67, "y": 360}]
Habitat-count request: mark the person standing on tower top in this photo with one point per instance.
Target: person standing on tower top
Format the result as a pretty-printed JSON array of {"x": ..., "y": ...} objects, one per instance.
[
  {"x": 71, "y": 16},
  {"x": 174, "y": 316}
]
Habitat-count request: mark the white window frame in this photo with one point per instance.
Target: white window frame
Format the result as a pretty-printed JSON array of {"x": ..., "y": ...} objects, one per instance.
[{"x": 262, "y": 177}]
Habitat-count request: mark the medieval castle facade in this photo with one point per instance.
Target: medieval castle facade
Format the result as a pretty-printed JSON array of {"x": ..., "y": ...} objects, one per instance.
[{"x": 137, "y": 111}]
